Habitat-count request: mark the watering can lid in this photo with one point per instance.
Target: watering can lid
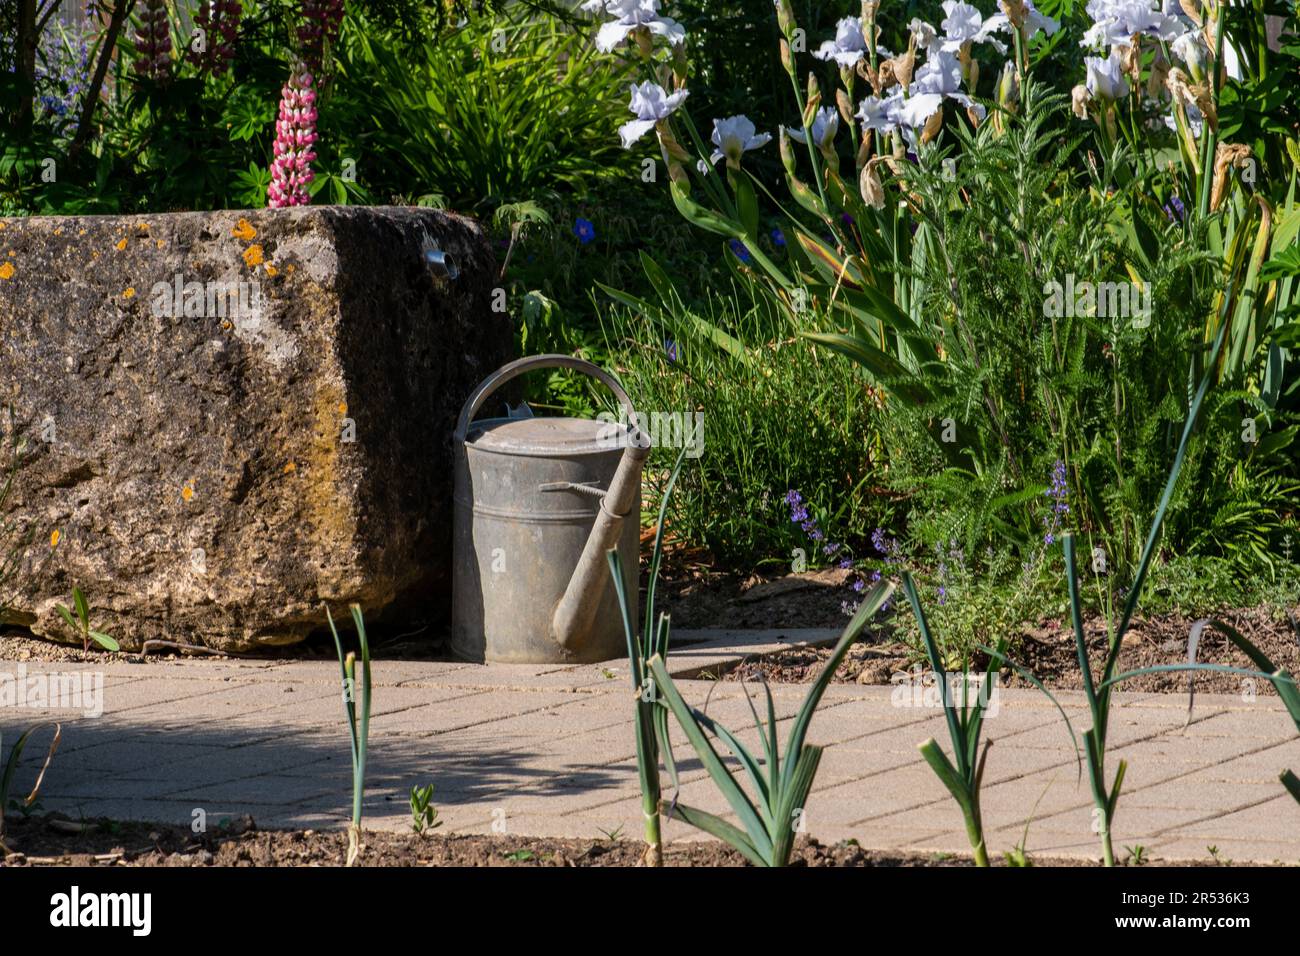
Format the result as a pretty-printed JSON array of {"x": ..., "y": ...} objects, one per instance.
[{"x": 544, "y": 437}]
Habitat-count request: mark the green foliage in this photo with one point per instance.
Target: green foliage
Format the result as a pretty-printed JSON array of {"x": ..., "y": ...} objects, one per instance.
[
  {"x": 424, "y": 815},
  {"x": 782, "y": 781},
  {"x": 495, "y": 112},
  {"x": 651, "y": 722},
  {"x": 776, "y": 415},
  {"x": 964, "y": 709},
  {"x": 80, "y": 625},
  {"x": 358, "y": 726}
]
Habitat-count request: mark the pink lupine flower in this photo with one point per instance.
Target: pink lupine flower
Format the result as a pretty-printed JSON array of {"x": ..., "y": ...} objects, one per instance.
[
  {"x": 295, "y": 133},
  {"x": 320, "y": 28},
  {"x": 219, "y": 21},
  {"x": 153, "y": 41}
]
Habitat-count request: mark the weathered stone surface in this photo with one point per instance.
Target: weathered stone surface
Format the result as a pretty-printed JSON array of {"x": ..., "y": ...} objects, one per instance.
[{"x": 214, "y": 477}]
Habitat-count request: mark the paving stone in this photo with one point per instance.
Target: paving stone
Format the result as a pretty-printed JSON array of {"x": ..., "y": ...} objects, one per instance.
[{"x": 552, "y": 749}]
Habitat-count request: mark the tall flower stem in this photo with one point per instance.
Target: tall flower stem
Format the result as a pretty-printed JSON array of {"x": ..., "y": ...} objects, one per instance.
[{"x": 1210, "y": 130}]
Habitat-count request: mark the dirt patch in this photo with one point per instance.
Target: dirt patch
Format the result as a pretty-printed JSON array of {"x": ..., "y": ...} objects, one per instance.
[
  {"x": 1048, "y": 650},
  {"x": 697, "y": 595},
  {"x": 35, "y": 841}
]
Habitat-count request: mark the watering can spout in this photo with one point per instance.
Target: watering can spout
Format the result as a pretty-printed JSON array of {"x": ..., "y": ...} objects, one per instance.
[{"x": 576, "y": 610}]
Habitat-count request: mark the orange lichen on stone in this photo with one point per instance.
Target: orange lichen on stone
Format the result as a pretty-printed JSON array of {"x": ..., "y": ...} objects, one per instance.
[
  {"x": 290, "y": 468},
  {"x": 54, "y": 538},
  {"x": 225, "y": 324},
  {"x": 120, "y": 245},
  {"x": 343, "y": 408},
  {"x": 244, "y": 231},
  {"x": 7, "y": 270},
  {"x": 129, "y": 293},
  {"x": 253, "y": 255},
  {"x": 289, "y": 268},
  {"x": 187, "y": 492},
  {"x": 160, "y": 243},
  {"x": 271, "y": 270}
]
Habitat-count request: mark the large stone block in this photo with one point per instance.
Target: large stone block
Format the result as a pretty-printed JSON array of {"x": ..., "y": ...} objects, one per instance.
[{"x": 232, "y": 417}]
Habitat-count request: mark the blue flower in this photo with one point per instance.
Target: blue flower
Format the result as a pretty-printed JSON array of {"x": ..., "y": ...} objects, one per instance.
[
  {"x": 1058, "y": 493},
  {"x": 670, "y": 349},
  {"x": 584, "y": 230},
  {"x": 778, "y": 238},
  {"x": 738, "y": 249}
]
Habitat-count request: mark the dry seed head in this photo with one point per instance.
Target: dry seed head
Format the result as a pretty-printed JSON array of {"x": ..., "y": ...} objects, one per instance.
[
  {"x": 1131, "y": 60},
  {"x": 1226, "y": 156},
  {"x": 873, "y": 193},
  {"x": 867, "y": 73},
  {"x": 1080, "y": 100},
  {"x": 845, "y": 106},
  {"x": 932, "y": 126},
  {"x": 1015, "y": 12}
]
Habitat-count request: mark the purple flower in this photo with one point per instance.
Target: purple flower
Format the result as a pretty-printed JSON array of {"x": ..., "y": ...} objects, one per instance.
[
  {"x": 670, "y": 349},
  {"x": 1174, "y": 209},
  {"x": 778, "y": 238},
  {"x": 584, "y": 230},
  {"x": 846, "y": 219},
  {"x": 886, "y": 547},
  {"x": 1058, "y": 493}
]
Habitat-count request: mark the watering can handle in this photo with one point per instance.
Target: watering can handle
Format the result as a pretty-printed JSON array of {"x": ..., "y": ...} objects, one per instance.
[{"x": 518, "y": 367}]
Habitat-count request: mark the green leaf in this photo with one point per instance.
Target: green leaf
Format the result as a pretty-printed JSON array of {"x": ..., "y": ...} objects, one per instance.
[
  {"x": 1291, "y": 782},
  {"x": 724, "y": 831},
  {"x": 884, "y": 369},
  {"x": 697, "y": 215},
  {"x": 948, "y": 774},
  {"x": 104, "y": 641},
  {"x": 67, "y": 616},
  {"x": 735, "y": 797},
  {"x": 746, "y": 202},
  {"x": 83, "y": 610}
]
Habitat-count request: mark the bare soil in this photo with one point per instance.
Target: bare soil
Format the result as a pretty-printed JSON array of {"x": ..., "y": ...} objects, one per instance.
[
  {"x": 1048, "y": 651},
  {"x": 46, "y": 841}
]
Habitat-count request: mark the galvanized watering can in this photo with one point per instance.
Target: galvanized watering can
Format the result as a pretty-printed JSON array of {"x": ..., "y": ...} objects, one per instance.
[{"x": 538, "y": 503}]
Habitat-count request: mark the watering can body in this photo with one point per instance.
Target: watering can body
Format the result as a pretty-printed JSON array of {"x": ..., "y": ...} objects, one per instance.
[{"x": 538, "y": 501}]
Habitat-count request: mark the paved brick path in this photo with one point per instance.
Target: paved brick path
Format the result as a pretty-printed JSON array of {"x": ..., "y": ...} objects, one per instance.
[{"x": 548, "y": 751}]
